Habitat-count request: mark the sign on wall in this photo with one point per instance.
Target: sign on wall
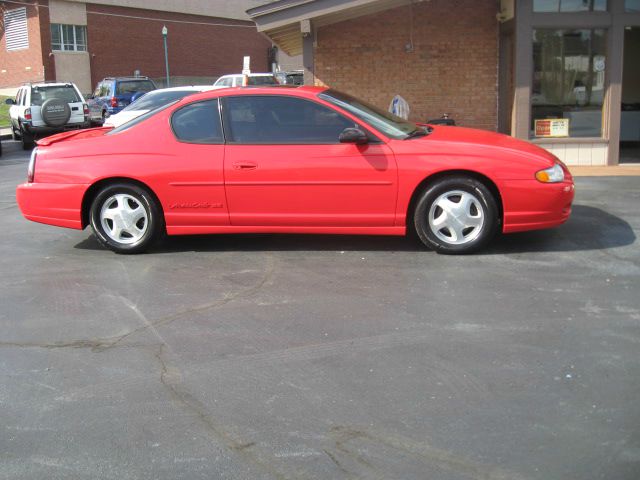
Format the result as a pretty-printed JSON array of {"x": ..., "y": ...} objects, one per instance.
[{"x": 552, "y": 127}]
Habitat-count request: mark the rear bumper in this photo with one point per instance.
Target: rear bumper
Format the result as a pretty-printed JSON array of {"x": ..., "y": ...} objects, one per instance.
[
  {"x": 53, "y": 204},
  {"x": 531, "y": 205},
  {"x": 46, "y": 130}
]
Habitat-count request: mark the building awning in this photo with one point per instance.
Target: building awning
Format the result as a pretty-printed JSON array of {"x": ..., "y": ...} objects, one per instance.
[{"x": 286, "y": 21}]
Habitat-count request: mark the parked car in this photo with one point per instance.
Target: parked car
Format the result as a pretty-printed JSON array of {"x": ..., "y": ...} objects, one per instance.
[
  {"x": 151, "y": 101},
  {"x": 295, "y": 77},
  {"x": 114, "y": 93},
  {"x": 44, "y": 108},
  {"x": 252, "y": 79},
  {"x": 294, "y": 160}
]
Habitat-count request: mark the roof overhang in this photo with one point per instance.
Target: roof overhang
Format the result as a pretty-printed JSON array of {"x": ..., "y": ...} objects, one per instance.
[{"x": 281, "y": 20}]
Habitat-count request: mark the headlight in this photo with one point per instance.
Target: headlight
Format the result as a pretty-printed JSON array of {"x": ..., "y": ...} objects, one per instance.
[
  {"x": 32, "y": 165},
  {"x": 554, "y": 174}
]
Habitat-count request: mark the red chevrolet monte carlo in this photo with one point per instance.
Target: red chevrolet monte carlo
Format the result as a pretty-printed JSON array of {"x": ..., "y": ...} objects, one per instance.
[{"x": 291, "y": 160}]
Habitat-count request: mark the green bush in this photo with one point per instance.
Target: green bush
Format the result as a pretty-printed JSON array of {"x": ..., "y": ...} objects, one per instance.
[{"x": 4, "y": 112}]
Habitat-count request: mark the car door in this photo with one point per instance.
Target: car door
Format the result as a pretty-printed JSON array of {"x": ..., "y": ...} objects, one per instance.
[
  {"x": 195, "y": 195},
  {"x": 284, "y": 166},
  {"x": 14, "y": 110}
]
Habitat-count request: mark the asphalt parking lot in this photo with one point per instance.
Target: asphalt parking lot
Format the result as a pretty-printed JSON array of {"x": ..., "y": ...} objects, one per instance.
[{"x": 310, "y": 357}]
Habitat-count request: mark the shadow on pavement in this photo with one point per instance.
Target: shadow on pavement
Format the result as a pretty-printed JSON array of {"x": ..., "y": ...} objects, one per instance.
[{"x": 588, "y": 228}]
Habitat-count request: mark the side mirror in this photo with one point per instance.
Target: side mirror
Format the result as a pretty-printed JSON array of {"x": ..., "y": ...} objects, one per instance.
[
  {"x": 10, "y": 101},
  {"x": 354, "y": 135}
]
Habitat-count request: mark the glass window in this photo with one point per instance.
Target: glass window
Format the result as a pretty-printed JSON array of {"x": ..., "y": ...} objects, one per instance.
[
  {"x": 66, "y": 93},
  {"x": 388, "y": 123},
  {"x": 568, "y": 82},
  {"x": 136, "y": 121},
  {"x": 157, "y": 98},
  {"x": 72, "y": 38},
  {"x": 198, "y": 123},
  {"x": 134, "y": 86},
  {"x": 262, "y": 80},
  {"x": 632, "y": 5},
  {"x": 272, "y": 119},
  {"x": 569, "y": 5}
]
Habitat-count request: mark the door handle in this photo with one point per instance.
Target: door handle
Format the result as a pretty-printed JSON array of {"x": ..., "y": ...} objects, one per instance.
[{"x": 245, "y": 166}]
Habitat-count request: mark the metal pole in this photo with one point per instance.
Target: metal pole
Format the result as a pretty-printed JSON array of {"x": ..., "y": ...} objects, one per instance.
[{"x": 166, "y": 56}]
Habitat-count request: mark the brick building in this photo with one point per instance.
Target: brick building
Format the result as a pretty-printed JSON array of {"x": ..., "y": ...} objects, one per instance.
[
  {"x": 560, "y": 73},
  {"x": 72, "y": 40}
]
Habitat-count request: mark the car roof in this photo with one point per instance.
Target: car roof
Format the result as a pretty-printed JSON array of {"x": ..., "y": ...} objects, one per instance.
[
  {"x": 126, "y": 78},
  {"x": 303, "y": 91},
  {"x": 49, "y": 84},
  {"x": 186, "y": 88},
  {"x": 248, "y": 75}
]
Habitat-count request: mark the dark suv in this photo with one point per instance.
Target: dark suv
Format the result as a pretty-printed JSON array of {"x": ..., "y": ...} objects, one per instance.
[{"x": 114, "y": 93}]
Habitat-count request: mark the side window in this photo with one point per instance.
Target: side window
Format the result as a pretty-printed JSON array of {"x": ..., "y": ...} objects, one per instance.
[
  {"x": 198, "y": 123},
  {"x": 18, "y": 96},
  {"x": 237, "y": 81},
  {"x": 96, "y": 93},
  {"x": 227, "y": 82},
  {"x": 274, "y": 119},
  {"x": 23, "y": 100}
]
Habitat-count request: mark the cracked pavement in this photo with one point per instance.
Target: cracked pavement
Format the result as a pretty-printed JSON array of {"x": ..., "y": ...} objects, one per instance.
[{"x": 310, "y": 357}]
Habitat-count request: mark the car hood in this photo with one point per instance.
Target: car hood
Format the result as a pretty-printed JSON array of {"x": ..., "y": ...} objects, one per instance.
[{"x": 466, "y": 137}]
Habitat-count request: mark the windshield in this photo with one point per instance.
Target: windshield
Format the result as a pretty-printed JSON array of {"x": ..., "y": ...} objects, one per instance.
[
  {"x": 66, "y": 93},
  {"x": 134, "y": 86},
  {"x": 157, "y": 98},
  {"x": 137, "y": 120},
  {"x": 389, "y": 124}
]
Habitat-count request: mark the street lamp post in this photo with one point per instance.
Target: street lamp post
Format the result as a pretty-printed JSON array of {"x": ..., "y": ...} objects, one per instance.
[{"x": 166, "y": 56}]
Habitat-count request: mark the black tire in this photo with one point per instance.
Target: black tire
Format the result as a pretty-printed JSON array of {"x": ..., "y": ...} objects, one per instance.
[
  {"x": 473, "y": 221},
  {"x": 124, "y": 242},
  {"x": 26, "y": 138}
]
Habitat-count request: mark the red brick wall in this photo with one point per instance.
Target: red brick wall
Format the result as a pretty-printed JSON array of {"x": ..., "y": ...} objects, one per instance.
[
  {"x": 16, "y": 61},
  {"x": 452, "y": 69},
  {"x": 120, "y": 45}
]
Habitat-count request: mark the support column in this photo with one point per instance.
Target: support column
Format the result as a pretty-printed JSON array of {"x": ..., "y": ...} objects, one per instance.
[
  {"x": 307, "y": 58},
  {"x": 523, "y": 75}
]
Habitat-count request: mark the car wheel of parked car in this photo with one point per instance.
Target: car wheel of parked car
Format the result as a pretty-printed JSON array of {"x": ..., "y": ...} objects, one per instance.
[
  {"x": 456, "y": 215},
  {"x": 126, "y": 218},
  {"x": 26, "y": 138}
]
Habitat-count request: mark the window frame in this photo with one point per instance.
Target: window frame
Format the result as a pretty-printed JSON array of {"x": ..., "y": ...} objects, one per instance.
[
  {"x": 226, "y": 121},
  {"x": 66, "y": 41},
  {"x": 222, "y": 130},
  {"x": 584, "y": 139}
]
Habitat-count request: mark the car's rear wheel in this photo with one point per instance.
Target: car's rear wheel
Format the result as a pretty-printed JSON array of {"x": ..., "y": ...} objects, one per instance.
[
  {"x": 456, "y": 215},
  {"x": 126, "y": 218},
  {"x": 26, "y": 138}
]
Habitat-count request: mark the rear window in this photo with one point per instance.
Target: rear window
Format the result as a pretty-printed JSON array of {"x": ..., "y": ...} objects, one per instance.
[
  {"x": 66, "y": 93},
  {"x": 262, "y": 80},
  {"x": 133, "y": 86},
  {"x": 156, "y": 99},
  {"x": 138, "y": 120}
]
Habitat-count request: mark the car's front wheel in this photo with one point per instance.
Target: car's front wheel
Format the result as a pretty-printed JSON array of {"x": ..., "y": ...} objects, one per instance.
[
  {"x": 456, "y": 215},
  {"x": 126, "y": 218}
]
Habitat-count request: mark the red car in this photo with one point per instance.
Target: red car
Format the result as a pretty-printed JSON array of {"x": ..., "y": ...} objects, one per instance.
[{"x": 291, "y": 160}]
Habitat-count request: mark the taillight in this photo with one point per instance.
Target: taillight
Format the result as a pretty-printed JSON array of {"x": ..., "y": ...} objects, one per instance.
[
  {"x": 27, "y": 114},
  {"x": 85, "y": 107},
  {"x": 114, "y": 102},
  {"x": 31, "y": 169}
]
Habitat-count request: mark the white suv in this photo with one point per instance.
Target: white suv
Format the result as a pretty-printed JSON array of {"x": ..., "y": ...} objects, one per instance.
[{"x": 43, "y": 108}]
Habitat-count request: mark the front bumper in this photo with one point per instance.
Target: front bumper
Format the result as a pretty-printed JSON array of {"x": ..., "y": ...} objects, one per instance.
[
  {"x": 52, "y": 203},
  {"x": 532, "y": 205}
]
